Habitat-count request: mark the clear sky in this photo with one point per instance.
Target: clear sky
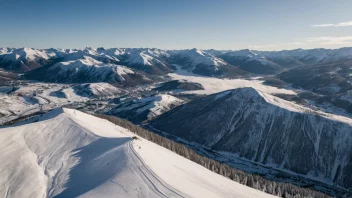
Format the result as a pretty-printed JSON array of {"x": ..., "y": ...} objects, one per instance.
[{"x": 176, "y": 24}]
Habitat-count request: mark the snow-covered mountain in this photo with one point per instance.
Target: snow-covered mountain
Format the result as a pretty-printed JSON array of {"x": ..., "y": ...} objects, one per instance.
[
  {"x": 74, "y": 54},
  {"x": 26, "y": 59},
  {"x": 151, "y": 61},
  {"x": 201, "y": 63},
  {"x": 296, "y": 57},
  {"x": 326, "y": 79},
  {"x": 142, "y": 109},
  {"x": 67, "y": 153},
  {"x": 262, "y": 128},
  {"x": 89, "y": 70},
  {"x": 250, "y": 61},
  {"x": 272, "y": 62},
  {"x": 198, "y": 57},
  {"x": 217, "y": 63}
]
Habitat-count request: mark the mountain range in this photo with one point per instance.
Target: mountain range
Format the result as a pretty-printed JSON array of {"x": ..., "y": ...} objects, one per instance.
[
  {"x": 150, "y": 61},
  {"x": 285, "y": 111}
]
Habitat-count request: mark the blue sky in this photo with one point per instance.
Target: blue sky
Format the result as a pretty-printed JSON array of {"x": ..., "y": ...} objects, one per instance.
[{"x": 179, "y": 24}]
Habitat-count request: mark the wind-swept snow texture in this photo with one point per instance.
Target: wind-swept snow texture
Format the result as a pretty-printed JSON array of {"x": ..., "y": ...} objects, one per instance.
[{"x": 72, "y": 154}]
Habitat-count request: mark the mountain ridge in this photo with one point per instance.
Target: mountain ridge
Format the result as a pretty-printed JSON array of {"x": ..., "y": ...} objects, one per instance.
[
  {"x": 156, "y": 61},
  {"x": 250, "y": 124}
]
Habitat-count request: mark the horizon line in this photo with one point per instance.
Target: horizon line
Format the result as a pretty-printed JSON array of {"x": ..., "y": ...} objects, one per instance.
[{"x": 169, "y": 49}]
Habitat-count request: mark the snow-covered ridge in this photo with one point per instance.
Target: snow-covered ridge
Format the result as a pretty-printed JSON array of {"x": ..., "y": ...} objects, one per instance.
[
  {"x": 200, "y": 55},
  {"x": 252, "y": 93},
  {"x": 68, "y": 153},
  {"x": 14, "y": 54}
]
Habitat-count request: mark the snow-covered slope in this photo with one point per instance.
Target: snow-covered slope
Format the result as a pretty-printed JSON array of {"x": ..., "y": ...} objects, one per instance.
[
  {"x": 97, "y": 90},
  {"x": 265, "y": 129},
  {"x": 69, "y": 154},
  {"x": 146, "y": 108},
  {"x": 190, "y": 178}
]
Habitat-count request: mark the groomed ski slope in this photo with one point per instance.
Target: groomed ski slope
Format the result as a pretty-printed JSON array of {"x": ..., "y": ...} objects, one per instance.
[{"x": 68, "y": 153}]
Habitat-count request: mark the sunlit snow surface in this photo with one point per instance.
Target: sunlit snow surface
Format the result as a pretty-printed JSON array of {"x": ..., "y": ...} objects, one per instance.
[{"x": 68, "y": 153}]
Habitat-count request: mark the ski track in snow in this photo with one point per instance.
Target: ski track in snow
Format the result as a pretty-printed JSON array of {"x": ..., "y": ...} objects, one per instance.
[{"x": 163, "y": 189}]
